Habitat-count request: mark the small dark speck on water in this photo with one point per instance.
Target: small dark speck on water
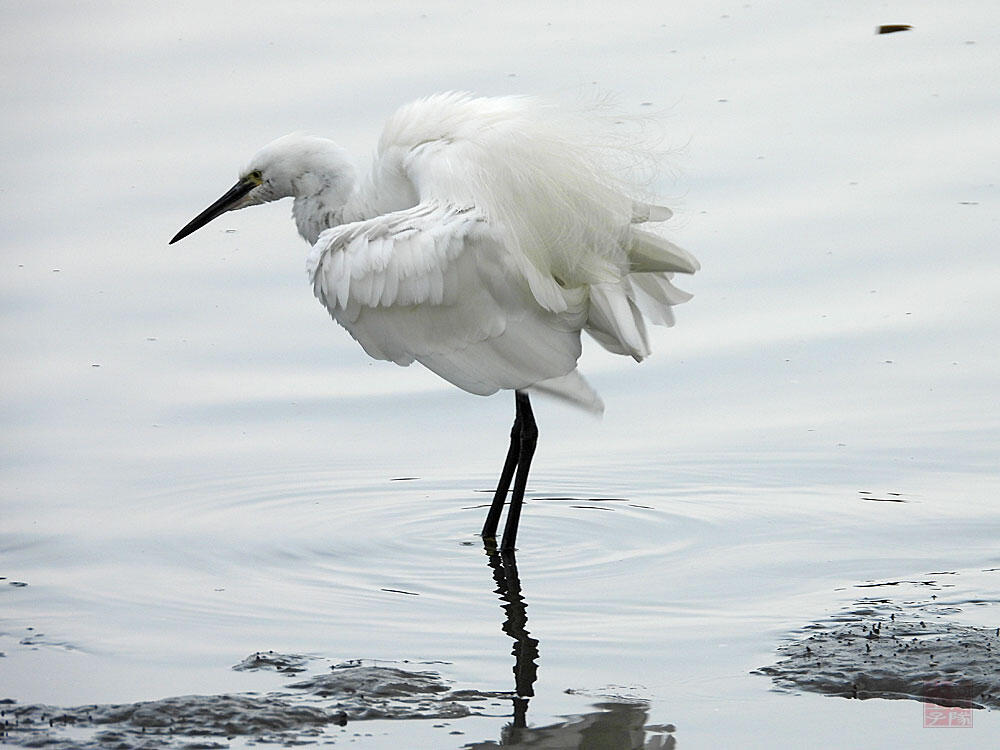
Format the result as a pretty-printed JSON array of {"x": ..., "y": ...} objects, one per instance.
[
  {"x": 400, "y": 591},
  {"x": 892, "y": 28},
  {"x": 404, "y": 479}
]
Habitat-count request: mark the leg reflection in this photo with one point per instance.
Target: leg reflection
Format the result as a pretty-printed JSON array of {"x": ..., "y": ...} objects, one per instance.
[
  {"x": 616, "y": 724},
  {"x": 525, "y": 651}
]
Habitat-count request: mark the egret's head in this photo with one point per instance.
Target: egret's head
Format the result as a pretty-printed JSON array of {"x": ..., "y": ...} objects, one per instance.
[{"x": 294, "y": 166}]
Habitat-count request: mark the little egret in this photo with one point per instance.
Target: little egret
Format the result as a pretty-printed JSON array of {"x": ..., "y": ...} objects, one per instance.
[{"x": 487, "y": 234}]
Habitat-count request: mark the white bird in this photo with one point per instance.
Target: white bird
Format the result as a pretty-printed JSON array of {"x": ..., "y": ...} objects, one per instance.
[{"x": 487, "y": 234}]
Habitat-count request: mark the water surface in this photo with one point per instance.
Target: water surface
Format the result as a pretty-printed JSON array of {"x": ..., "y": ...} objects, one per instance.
[{"x": 199, "y": 465}]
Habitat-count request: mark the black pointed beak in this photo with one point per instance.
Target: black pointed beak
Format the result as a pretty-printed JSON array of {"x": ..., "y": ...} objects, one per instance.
[{"x": 225, "y": 203}]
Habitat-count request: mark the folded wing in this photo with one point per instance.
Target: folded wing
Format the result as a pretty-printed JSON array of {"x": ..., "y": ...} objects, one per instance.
[{"x": 434, "y": 284}]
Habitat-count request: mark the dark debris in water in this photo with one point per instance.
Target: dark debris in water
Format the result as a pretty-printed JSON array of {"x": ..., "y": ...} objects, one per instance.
[
  {"x": 300, "y": 713},
  {"x": 35, "y": 639},
  {"x": 876, "y": 584},
  {"x": 400, "y": 591},
  {"x": 892, "y": 497},
  {"x": 882, "y": 649},
  {"x": 892, "y": 28},
  {"x": 283, "y": 663}
]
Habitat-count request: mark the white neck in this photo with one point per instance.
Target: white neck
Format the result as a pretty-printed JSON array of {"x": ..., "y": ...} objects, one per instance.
[{"x": 316, "y": 212}]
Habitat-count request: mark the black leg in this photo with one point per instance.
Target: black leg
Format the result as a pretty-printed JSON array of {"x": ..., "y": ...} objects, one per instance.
[
  {"x": 500, "y": 496},
  {"x": 527, "y": 441}
]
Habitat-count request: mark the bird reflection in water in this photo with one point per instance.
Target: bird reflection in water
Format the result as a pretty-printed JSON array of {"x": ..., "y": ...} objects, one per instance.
[
  {"x": 504, "y": 566},
  {"x": 616, "y": 725}
]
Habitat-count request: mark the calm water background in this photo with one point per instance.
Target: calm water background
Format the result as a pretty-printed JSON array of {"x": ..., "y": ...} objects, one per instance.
[{"x": 197, "y": 463}]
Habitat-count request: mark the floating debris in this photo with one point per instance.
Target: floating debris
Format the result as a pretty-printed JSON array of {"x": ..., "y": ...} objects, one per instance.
[
  {"x": 284, "y": 663},
  {"x": 892, "y": 28}
]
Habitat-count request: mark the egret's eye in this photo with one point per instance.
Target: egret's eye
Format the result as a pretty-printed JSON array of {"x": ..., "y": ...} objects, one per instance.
[{"x": 256, "y": 176}]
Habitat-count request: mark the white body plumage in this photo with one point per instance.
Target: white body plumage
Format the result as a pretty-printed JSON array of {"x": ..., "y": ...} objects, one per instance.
[{"x": 487, "y": 235}]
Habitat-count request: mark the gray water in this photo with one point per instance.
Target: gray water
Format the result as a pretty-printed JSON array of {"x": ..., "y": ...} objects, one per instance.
[{"x": 199, "y": 465}]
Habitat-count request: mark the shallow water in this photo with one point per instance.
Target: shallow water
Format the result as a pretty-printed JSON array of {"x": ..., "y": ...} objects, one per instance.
[{"x": 198, "y": 465}]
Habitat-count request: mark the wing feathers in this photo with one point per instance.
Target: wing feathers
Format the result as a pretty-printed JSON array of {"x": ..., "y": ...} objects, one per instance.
[
  {"x": 434, "y": 284},
  {"x": 488, "y": 235}
]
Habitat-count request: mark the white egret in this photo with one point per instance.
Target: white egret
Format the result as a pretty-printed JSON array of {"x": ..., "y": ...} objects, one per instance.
[{"x": 487, "y": 234}]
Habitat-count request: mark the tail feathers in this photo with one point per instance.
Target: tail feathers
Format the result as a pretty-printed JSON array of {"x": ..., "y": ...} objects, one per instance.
[
  {"x": 615, "y": 321},
  {"x": 643, "y": 212},
  {"x": 652, "y": 253},
  {"x": 655, "y": 295},
  {"x": 573, "y": 389}
]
